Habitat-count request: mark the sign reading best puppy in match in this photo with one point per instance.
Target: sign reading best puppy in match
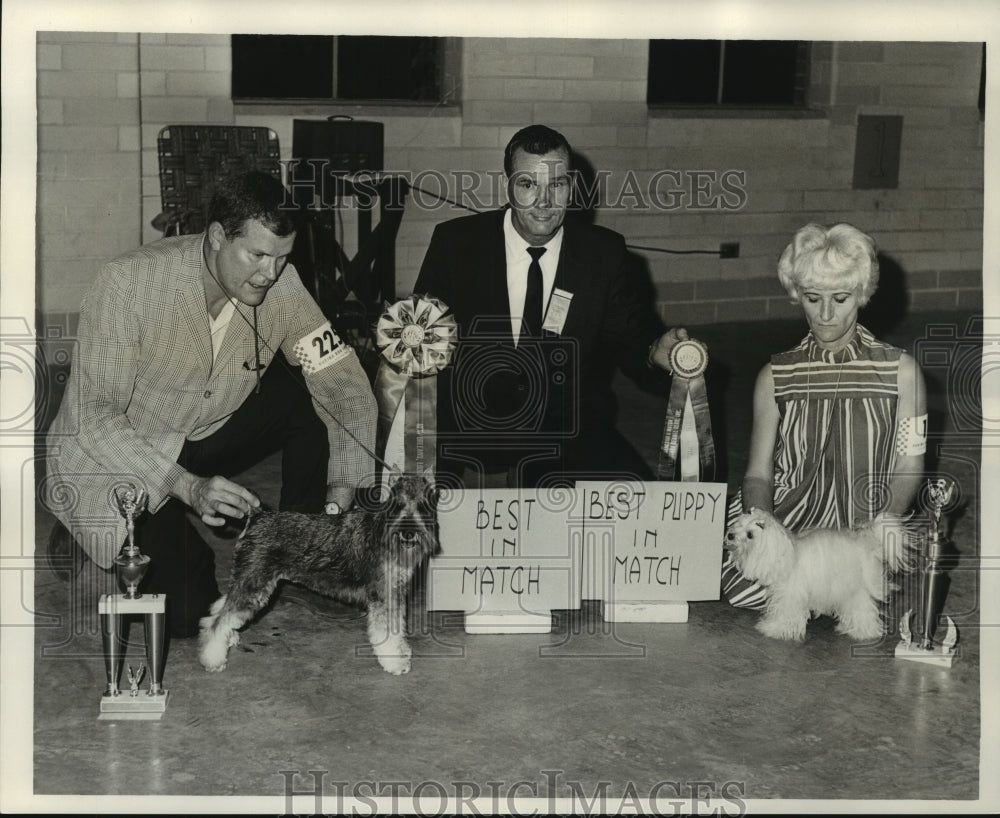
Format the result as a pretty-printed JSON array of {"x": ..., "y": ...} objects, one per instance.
[{"x": 659, "y": 541}]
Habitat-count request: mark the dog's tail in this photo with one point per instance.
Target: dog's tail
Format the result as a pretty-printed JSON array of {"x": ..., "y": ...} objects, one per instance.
[{"x": 895, "y": 540}]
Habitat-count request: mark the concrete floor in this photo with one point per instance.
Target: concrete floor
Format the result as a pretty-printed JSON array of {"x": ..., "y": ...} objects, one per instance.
[{"x": 710, "y": 706}]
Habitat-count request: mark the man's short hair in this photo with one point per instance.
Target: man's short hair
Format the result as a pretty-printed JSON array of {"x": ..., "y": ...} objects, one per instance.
[
  {"x": 252, "y": 196},
  {"x": 535, "y": 139}
]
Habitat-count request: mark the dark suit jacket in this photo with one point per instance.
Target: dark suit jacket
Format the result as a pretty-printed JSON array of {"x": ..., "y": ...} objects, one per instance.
[{"x": 496, "y": 401}]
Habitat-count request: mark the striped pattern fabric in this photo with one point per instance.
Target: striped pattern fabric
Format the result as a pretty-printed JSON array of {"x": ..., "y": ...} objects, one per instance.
[
  {"x": 836, "y": 433},
  {"x": 836, "y": 439},
  {"x": 145, "y": 378}
]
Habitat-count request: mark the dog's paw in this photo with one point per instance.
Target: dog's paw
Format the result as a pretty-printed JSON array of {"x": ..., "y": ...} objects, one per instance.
[
  {"x": 861, "y": 631},
  {"x": 211, "y": 662},
  {"x": 793, "y": 631},
  {"x": 396, "y": 665},
  {"x": 213, "y": 649},
  {"x": 397, "y": 660}
]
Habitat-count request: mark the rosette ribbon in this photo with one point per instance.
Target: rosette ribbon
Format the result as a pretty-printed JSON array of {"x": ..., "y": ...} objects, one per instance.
[
  {"x": 687, "y": 430},
  {"x": 416, "y": 337}
]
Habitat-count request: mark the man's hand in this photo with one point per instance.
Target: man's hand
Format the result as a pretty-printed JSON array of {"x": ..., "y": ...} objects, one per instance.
[
  {"x": 659, "y": 352},
  {"x": 215, "y": 498}
]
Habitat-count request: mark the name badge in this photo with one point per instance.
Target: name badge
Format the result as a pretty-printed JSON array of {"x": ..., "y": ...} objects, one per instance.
[
  {"x": 555, "y": 318},
  {"x": 320, "y": 349}
]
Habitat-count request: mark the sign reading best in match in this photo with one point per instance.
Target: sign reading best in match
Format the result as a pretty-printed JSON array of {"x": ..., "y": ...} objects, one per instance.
[
  {"x": 505, "y": 551},
  {"x": 534, "y": 551}
]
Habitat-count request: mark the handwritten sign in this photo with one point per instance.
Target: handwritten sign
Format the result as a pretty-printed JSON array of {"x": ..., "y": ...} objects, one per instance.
[
  {"x": 654, "y": 541},
  {"x": 505, "y": 551}
]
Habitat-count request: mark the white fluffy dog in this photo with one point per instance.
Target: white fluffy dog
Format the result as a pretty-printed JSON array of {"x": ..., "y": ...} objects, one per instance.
[{"x": 821, "y": 571}]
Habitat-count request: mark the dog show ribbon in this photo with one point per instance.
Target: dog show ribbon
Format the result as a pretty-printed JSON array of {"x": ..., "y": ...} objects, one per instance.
[
  {"x": 416, "y": 336},
  {"x": 687, "y": 429}
]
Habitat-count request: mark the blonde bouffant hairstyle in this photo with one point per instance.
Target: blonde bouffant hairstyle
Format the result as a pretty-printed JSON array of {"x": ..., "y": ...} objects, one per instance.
[{"x": 838, "y": 256}]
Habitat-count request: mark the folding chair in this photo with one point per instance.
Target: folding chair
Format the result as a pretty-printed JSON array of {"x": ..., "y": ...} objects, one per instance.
[{"x": 193, "y": 157}]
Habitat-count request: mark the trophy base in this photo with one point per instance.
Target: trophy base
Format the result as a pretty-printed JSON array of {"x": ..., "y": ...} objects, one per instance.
[
  {"x": 118, "y": 604},
  {"x": 940, "y": 656},
  {"x": 144, "y": 707}
]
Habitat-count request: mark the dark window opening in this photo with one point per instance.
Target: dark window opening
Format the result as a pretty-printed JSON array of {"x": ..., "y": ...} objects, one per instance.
[
  {"x": 720, "y": 73},
  {"x": 323, "y": 68}
]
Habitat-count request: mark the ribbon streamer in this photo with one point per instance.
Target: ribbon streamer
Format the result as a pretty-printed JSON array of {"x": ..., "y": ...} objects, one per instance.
[
  {"x": 687, "y": 428},
  {"x": 416, "y": 336}
]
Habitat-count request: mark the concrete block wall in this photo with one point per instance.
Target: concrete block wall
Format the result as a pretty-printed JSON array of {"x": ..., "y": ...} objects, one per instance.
[
  {"x": 184, "y": 79},
  {"x": 88, "y": 160},
  {"x": 678, "y": 182}
]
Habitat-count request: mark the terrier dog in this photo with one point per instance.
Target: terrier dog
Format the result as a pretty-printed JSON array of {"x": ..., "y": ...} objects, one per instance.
[
  {"x": 364, "y": 556},
  {"x": 821, "y": 571}
]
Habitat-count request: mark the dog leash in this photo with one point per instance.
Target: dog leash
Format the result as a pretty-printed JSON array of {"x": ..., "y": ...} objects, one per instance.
[
  {"x": 380, "y": 460},
  {"x": 259, "y": 340}
]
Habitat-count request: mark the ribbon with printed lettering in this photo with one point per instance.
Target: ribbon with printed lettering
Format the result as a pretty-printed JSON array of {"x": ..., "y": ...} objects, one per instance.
[
  {"x": 687, "y": 430},
  {"x": 416, "y": 336}
]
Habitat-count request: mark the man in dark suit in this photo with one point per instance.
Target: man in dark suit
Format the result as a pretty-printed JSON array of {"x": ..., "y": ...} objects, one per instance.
[{"x": 545, "y": 309}]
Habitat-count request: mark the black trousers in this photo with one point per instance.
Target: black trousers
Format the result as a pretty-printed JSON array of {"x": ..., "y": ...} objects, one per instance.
[{"x": 281, "y": 417}]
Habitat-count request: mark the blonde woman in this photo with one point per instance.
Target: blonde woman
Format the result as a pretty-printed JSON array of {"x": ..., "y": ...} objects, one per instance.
[{"x": 839, "y": 422}]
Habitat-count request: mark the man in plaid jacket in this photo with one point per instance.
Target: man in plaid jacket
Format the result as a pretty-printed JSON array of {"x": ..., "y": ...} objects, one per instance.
[{"x": 171, "y": 389}]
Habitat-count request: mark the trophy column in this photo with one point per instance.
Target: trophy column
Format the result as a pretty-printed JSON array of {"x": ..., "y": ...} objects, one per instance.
[
  {"x": 111, "y": 638},
  {"x": 131, "y": 566},
  {"x": 932, "y": 591}
]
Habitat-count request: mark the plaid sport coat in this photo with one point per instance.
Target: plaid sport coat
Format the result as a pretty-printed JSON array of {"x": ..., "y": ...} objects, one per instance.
[{"x": 143, "y": 378}]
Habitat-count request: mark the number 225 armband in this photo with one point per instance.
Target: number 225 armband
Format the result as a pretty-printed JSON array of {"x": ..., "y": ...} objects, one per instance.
[{"x": 319, "y": 349}]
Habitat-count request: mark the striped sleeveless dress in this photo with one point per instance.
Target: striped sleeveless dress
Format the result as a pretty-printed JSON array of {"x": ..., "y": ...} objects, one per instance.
[{"x": 835, "y": 445}]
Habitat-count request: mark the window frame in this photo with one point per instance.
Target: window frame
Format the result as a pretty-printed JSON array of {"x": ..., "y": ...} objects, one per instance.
[
  {"x": 799, "y": 108},
  {"x": 449, "y": 80}
]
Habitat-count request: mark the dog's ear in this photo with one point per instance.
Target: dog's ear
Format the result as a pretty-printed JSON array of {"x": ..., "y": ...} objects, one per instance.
[{"x": 394, "y": 476}]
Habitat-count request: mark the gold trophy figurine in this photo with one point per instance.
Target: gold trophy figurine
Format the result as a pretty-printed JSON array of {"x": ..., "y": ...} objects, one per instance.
[
  {"x": 940, "y": 492},
  {"x": 130, "y": 563},
  {"x": 131, "y": 566}
]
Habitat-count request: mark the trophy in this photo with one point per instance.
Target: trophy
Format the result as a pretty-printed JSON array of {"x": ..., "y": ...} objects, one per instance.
[
  {"x": 932, "y": 589},
  {"x": 131, "y": 566}
]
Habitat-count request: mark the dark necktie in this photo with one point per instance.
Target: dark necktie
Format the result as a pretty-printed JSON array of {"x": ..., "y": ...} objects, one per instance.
[{"x": 531, "y": 321}]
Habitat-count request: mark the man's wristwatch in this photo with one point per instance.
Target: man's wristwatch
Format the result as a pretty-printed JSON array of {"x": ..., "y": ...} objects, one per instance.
[{"x": 332, "y": 507}]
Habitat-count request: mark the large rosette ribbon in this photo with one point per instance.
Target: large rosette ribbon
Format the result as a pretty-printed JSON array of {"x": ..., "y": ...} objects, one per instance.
[
  {"x": 416, "y": 336},
  {"x": 687, "y": 429}
]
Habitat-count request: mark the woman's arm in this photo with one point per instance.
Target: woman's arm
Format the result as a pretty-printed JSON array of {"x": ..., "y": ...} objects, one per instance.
[
  {"x": 908, "y": 470},
  {"x": 758, "y": 483}
]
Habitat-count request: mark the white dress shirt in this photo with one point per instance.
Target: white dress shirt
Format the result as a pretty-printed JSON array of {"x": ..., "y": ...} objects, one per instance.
[{"x": 518, "y": 262}]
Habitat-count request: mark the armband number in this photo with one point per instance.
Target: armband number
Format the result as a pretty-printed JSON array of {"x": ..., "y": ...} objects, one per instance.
[
  {"x": 911, "y": 436},
  {"x": 320, "y": 349}
]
